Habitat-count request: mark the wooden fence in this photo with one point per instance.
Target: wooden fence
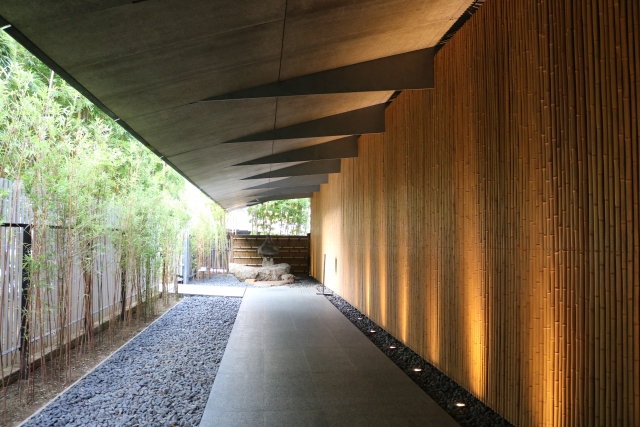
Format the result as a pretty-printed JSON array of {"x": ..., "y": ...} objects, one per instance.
[
  {"x": 294, "y": 250},
  {"x": 494, "y": 226}
]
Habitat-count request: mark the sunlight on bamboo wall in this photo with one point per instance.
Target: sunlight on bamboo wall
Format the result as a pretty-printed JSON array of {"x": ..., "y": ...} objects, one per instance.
[{"x": 494, "y": 226}]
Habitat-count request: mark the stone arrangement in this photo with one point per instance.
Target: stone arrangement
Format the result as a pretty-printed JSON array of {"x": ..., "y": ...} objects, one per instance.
[{"x": 267, "y": 273}]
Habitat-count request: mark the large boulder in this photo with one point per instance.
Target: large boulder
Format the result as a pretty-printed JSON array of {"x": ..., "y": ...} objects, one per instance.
[
  {"x": 243, "y": 272},
  {"x": 268, "y": 273}
]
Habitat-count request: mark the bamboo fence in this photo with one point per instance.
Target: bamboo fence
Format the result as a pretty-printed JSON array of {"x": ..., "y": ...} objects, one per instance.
[
  {"x": 56, "y": 310},
  {"x": 494, "y": 227}
]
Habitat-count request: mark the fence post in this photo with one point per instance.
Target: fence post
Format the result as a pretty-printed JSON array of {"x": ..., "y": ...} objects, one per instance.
[
  {"x": 24, "y": 300},
  {"x": 186, "y": 267},
  {"x": 123, "y": 285},
  {"x": 309, "y": 254}
]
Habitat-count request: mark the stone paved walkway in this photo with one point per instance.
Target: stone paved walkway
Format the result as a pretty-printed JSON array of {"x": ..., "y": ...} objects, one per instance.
[{"x": 294, "y": 360}]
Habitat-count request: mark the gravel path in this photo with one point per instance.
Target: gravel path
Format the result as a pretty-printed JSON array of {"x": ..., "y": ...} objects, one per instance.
[
  {"x": 230, "y": 280},
  {"x": 437, "y": 385},
  {"x": 221, "y": 280},
  {"x": 162, "y": 377}
]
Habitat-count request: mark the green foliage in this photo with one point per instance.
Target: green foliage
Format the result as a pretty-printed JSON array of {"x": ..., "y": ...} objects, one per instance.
[
  {"x": 92, "y": 187},
  {"x": 207, "y": 229},
  {"x": 284, "y": 217},
  {"x": 85, "y": 175}
]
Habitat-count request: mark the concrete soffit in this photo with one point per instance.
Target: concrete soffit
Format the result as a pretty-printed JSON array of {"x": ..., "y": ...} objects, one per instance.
[
  {"x": 288, "y": 190},
  {"x": 316, "y": 167},
  {"x": 236, "y": 90},
  {"x": 356, "y": 122},
  {"x": 294, "y": 181},
  {"x": 341, "y": 148},
  {"x": 412, "y": 70}
]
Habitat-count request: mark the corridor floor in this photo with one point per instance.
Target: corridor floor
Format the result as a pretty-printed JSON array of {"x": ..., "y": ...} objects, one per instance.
[{"x": 294, "y": 360}]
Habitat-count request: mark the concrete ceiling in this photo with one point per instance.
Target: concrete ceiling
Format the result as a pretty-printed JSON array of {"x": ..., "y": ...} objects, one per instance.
[{"x": 154, "y": 63}]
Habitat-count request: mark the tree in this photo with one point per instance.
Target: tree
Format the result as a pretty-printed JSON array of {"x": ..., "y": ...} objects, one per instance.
[{"x": 285, "y": 217}]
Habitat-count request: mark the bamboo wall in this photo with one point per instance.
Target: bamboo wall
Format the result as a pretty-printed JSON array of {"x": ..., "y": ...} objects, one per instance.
[{"x": 494, "y": 226}]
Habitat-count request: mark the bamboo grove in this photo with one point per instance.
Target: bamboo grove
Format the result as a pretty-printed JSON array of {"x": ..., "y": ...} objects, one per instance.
[
  {"x": 209, "y": 245},
  {"x": 107, "y": 219}
]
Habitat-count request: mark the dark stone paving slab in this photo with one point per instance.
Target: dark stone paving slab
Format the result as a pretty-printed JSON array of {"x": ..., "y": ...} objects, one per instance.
[{"x": 294, "y": 360}]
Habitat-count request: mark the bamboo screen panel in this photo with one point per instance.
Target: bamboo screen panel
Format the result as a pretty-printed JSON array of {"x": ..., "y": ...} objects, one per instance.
[
  {"x": 294, "y": 250},
  {"x": 494, "y": 226}
]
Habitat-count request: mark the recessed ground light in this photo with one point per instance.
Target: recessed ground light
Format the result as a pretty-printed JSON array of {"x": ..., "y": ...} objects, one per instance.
[
  {"x": 417, "y": 369},
  {"x": 392, "y": 346},
  {"x": 359, "y": 318},
  {"x": 372, "y": 330},
  {"x": 460, "y": 404}
]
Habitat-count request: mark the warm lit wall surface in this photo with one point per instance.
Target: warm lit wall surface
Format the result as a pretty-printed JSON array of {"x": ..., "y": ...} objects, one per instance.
[{"x": 494, "y": 226}]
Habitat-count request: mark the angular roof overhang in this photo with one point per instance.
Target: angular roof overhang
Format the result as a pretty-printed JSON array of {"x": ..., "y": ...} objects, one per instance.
[{"x": 228, "y": 90}]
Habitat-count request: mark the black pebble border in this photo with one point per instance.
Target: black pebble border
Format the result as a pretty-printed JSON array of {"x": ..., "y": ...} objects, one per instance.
[
  {"x": 437, "y": 385},
  {"x": 162, "y": 377}
]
